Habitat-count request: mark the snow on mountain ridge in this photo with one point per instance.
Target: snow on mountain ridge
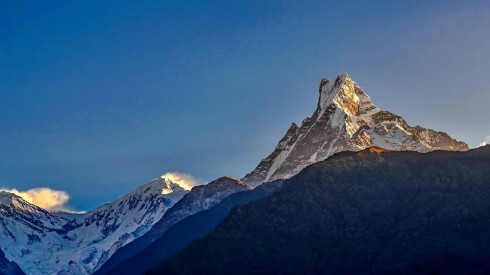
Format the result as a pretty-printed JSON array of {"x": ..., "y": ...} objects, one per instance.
[
  {"x": 13, "y": 201},
  {"x": 200, "y": 198},
  {"x": 7, "y": 198},
  {"x": 43, "y": 197},
  {"x": 486, "y": 141},
  {"x": 345, "y": 119},
  {"x": 76, "y": 244},
  {"x": 184, "y": 180}
]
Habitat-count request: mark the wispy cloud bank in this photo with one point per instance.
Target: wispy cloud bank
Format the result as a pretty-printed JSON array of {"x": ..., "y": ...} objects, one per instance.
[
  {"x": 44, "y": 197},
  {"x": 186, "y": 181}
]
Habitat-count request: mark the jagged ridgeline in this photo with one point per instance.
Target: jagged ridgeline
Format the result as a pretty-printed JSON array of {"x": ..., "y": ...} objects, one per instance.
[
  {"x": 118, "y": 234},
  {"x": 345, "y": 119},
  {"x": 45, "y": 242},
  {"x": 198, "y": 199}
]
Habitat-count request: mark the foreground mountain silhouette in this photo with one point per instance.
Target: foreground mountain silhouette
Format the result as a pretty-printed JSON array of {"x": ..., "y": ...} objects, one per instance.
[
  {"x": 345, "y": 119},
  {"x": 372, "y": 211}
]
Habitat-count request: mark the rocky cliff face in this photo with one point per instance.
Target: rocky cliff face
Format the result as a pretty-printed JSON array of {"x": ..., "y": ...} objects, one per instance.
[{"x": 345, "y": 119}]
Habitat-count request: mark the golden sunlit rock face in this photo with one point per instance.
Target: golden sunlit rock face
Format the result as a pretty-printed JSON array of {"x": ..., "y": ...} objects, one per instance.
[
  {"x": 43, "y": 197},
  {"x": 347, "y": 99}
]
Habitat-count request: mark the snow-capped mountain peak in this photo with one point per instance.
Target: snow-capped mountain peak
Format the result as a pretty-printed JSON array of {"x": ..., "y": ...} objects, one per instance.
[
  {"x": 78, "y": 243},
  {"x": 345, "y": 119},
  {"x": 200, "y": 198},
  {"x": 7, "y": 198},
  {"x": 12, "y": 202},
  {"x": 338, "y": 92},
  {"x": 170, "y": 185},
  {"x": 486, "y": 141}
]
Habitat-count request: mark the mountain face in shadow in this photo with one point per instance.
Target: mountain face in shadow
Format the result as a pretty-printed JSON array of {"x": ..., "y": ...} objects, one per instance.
[
  {"x": 200, "y": 198},
  {"x": 9, "y": 267},
  {"x": 372, "y": 211},
  {"x": 181, "y": 234}
]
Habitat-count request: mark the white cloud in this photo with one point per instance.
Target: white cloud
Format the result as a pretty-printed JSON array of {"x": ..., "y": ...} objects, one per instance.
[
  {"x": 44, "y": 197},
  {"x": 184, "y": 180},
  {"x": 486, "y": 141}
]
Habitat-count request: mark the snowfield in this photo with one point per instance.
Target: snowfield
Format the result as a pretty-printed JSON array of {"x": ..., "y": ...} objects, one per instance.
[{"x": 43, "y": 242}]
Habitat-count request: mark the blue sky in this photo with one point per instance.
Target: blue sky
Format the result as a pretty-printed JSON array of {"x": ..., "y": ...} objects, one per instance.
[{"x": 98, "y": 97}]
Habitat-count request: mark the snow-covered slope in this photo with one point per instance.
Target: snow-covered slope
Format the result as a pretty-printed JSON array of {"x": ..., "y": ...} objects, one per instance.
[
  {"x": 43, "y": 242},
  {"x": 485, "y": 142},
  {"x": 345, "y": 119},
  {"x": 200, "y": 198}
]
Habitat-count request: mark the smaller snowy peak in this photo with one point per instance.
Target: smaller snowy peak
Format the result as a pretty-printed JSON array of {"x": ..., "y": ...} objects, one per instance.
[
  {"x": 185, "y": 181},
  {"x": 159, "y": 185},
  {"x": 171, "y": 185},
  {"x": 160, "y": 192},
  {"x": 111, "y": 226},
  {"x": 200, "y": 198},
  {"x": 78, "y": 244},
  {"x": 17, "y": 203},
  {"x": 486, "y": 141},
  {"x": 7, "y": 198}
]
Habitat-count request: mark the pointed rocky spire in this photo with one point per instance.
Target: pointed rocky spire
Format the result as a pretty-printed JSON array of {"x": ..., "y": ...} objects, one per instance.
[{"x": 345, "y": 119}]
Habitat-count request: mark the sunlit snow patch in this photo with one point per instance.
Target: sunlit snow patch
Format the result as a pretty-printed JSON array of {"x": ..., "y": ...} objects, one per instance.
[
  {"x": 185, "y": 181},
  {"x": 486, "y": 141}
]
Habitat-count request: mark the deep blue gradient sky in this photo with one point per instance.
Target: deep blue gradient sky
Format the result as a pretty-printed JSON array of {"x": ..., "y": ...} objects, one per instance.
[{"x": 98, "y": 98}]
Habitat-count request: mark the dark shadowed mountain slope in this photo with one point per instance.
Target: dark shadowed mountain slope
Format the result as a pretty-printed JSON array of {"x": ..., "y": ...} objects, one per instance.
[
  {"x": 371, "y": 212},
  {"x": 200, "y": 198},
  {"x": 9, "y": 267},
  {"x": 345, "y": 119},
  {"x": 186, "y": 231}
]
